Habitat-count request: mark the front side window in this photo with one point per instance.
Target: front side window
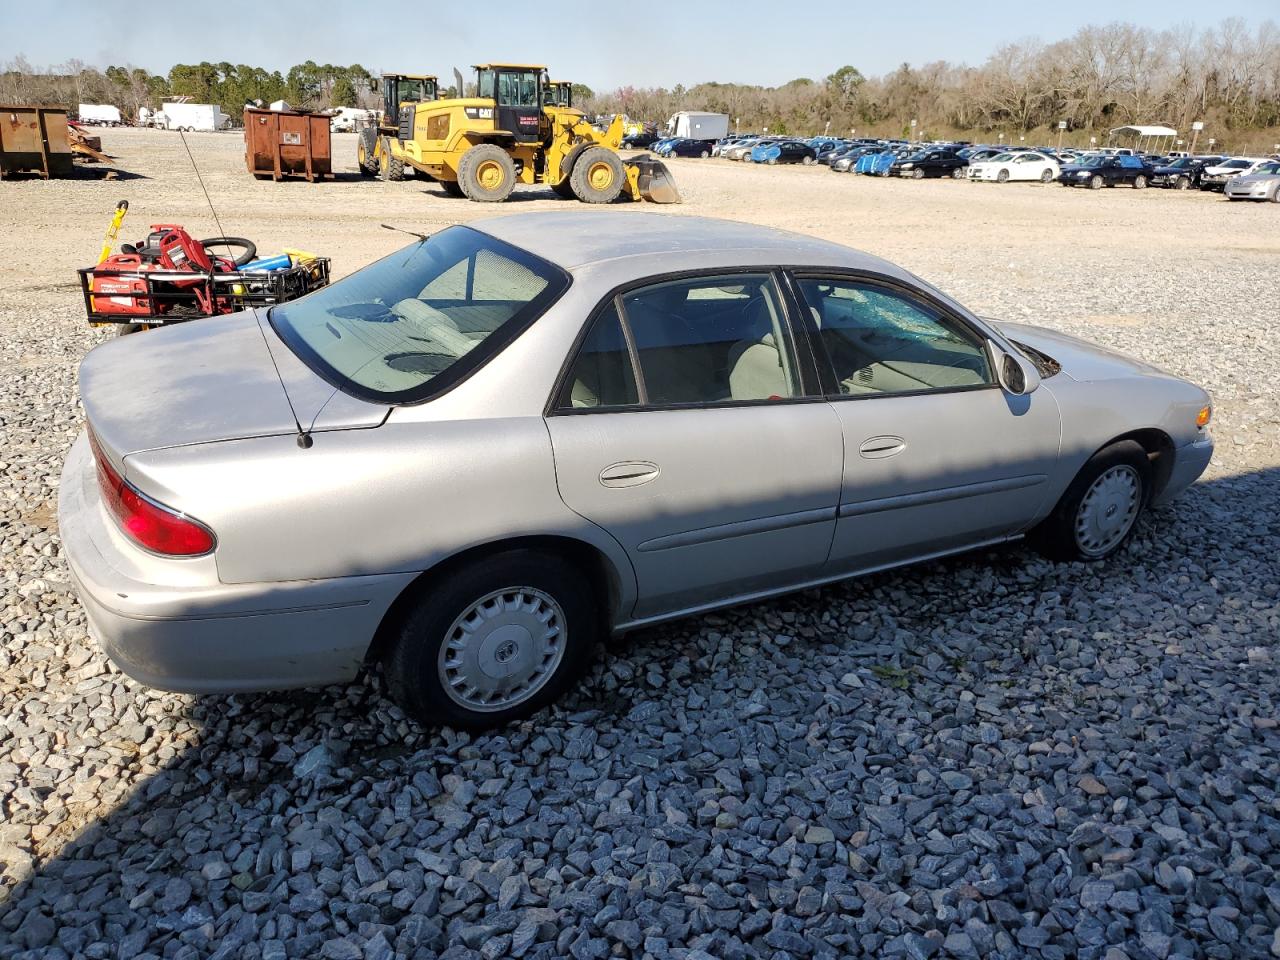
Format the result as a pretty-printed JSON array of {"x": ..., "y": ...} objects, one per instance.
[
  {"x": 412, "y": 324},
  {"x": 881, "y": 342},
  {"x": 518, "y": 89},
  {"x": 700, "y": 341}
]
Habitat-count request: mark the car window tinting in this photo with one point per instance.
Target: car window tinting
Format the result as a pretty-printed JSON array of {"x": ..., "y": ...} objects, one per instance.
[
  {"x": 880, "y": 342},
  {"x": 413, "y": 324},
  {"x": 602, "y": 374}
]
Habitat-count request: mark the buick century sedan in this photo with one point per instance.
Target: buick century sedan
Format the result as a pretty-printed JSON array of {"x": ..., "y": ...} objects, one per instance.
[{"x": 469, "y": 461}]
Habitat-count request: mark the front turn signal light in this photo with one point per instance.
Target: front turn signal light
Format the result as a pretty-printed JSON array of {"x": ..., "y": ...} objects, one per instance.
[{"x": 1204, "y": 416}]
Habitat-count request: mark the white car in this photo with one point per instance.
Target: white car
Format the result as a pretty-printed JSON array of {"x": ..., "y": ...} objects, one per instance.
[
  {"x": 1216, "y": 177},
  {"x": 1027, "y": 165}
]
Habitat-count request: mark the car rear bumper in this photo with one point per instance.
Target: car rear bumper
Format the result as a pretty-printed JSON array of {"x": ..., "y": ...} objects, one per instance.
[
  {"x": 193, "y": 634},
  {"x": 1188, "y": 463}
]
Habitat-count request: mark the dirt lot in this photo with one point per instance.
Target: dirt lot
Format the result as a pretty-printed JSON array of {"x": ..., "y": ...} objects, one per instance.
[{"x": 992, "y": 755}]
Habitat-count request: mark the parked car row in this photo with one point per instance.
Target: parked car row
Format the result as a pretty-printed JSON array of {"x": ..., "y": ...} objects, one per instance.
[{"x": 1239, "y": 178}]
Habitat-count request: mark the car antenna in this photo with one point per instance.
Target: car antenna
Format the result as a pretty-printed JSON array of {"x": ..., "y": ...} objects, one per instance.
[{"x": 412, "y": 233}]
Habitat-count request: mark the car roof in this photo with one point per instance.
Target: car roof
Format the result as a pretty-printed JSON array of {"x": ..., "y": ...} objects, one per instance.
[{"x": 579, "y": 239}]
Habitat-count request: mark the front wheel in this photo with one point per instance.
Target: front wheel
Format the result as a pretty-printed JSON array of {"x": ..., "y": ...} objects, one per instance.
[
  {"x": 1182, "y": 183},
  {"x": 598, "y": 176},
  {"x": 1096, "y": 182},
  {"x": 1100, "y": 509},
  {"x": 1002, "y": 176},
  {"x": 917, "y": 174},
  {"x": 493, "y": 642}
]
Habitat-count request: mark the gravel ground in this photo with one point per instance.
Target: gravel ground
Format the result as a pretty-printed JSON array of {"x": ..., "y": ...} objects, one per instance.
[{"x": 992, "y": 756}]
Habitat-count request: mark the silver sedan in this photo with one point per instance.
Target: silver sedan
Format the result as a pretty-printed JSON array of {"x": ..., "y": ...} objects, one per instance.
[
  {"x": 469, "y": 461},
  {"x": 1262, "y": 184}
]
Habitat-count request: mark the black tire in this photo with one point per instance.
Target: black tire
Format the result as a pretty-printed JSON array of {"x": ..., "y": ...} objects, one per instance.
[
  {"x": 390, "y": 169},
  {"x": 124, "y": 329},
  {"x": 478, "y": 168},
  {"x": 563, "y": 189},
  {"x": 248, "y": 248},
  {"x": 586, "y": 176},
  {"x": 1056, "y": 536},
  {"x": 452, "y": 188},
  {"x": 1140, "y": 182},
  {"x": 366, "y": 152},
  {"x": 412, "y": 662}
]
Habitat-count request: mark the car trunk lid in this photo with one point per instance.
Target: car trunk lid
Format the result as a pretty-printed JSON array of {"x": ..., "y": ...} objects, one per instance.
[{"x": 206, "y": 381}]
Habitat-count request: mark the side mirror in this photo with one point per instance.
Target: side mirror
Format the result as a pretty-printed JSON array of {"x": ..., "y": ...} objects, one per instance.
[{"x": 1017, "y": 374}]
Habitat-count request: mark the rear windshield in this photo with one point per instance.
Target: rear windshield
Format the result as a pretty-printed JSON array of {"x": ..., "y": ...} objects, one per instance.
[{"x": 414, "y": 324}]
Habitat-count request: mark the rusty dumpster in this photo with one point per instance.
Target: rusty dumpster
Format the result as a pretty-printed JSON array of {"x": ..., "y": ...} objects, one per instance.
[
  {"x": 281, "y": 143},
  {"x": 33, "y": 139}
]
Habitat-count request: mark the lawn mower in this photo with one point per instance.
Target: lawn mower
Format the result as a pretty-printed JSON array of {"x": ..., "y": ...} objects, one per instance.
[{"x": 170, "y": 277}]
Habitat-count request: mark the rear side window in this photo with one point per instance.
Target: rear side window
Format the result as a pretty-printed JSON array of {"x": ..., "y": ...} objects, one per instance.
[
  {"x": 413, "y": 324},
  {"x": 701, "y": 341},
  {"x": 881, "y": 342}
]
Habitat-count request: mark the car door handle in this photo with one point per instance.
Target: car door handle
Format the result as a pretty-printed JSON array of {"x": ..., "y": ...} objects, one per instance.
[
  {"x": 629, "y": 473},
  {"x": 877, "y": 448}
]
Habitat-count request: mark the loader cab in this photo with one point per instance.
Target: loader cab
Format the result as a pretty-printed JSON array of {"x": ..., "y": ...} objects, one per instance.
[
  {"x": 516, "y": 90},
  {"x": 406, "y": 88},
  {"x": 558, "y": 93}
]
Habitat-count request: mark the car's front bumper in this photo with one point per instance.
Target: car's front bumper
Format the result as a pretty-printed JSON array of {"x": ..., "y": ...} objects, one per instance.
[
  {"x": 1189, "y": 462},
  {"x": 1245, "y": 192},
  {"x": 184, "y": 630}
]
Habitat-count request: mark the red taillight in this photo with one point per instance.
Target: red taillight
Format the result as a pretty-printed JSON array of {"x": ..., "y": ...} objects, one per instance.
[{"x": 151, "y": 525}]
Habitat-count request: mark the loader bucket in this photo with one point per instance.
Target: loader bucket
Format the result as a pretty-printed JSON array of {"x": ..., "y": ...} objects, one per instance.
[{"x": 654, "y": 181}]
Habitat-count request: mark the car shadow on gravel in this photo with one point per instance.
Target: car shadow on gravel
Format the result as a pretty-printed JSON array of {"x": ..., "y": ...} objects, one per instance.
[{"x": 1150, "y": 785}]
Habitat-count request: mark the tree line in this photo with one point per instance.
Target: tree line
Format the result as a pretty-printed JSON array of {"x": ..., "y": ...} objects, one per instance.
[
  {"x": 229, "y": 85},
  {"x": 1227, "y": 77}
]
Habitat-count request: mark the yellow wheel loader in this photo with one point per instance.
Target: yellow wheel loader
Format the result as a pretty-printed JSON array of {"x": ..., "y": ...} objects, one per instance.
[
  {"x": 399, "y": 90},
  {"x": 481, "y": 147}
]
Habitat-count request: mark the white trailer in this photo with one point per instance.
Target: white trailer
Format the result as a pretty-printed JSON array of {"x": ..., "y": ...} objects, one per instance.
[
  {"x": 698, "y": 126},
  {"x": 101, "y": 114},
  {"x": 191, "y": 116}
]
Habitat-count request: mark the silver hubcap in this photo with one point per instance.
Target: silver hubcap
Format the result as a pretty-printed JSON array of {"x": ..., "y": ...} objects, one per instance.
[
  {"x": 1108, "y": 510},
  {"x": 502, "y": 649}
]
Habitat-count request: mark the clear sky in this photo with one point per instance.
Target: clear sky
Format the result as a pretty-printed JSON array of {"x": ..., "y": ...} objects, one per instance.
[{"x": 657, "y": 43}]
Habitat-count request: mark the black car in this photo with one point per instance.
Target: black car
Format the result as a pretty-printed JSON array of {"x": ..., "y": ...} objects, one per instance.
[
  {"x": 639, "y": 141},
  {"x": 1098, "y": 172},
  {"x": 929, "y": 163},
  {"x": 690, "y": 148},
  {"x": 1183, "y": 173}
]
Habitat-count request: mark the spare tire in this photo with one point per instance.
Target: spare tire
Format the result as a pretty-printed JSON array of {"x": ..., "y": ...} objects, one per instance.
[{"x": 248, "y": 246}]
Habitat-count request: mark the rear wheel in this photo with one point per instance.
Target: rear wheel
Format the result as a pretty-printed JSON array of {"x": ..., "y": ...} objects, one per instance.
[
  {"x": 704, "y": 154},
  {"x": 597, "y": 176},
  {"x": 493, "y": 642},
  {"x": 958, "y": 173},
  {"x": 366, "y": 148},
  {"x": 1139, "y": 182},
  {"x": 1100, "y": 509},
  {"x": 1046, "y": 176},
  {"x": 487, "y": 173}
]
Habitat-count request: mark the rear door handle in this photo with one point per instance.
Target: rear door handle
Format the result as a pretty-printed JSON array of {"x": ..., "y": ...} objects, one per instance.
[
  {"x": 877, "y": 448},
  {"x": 629, "y": 473}
]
